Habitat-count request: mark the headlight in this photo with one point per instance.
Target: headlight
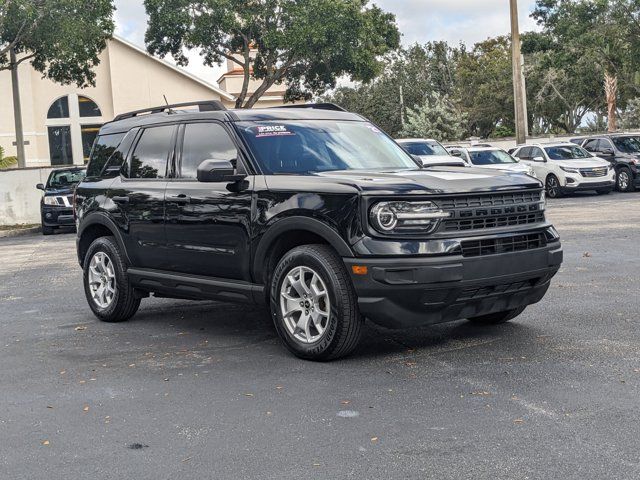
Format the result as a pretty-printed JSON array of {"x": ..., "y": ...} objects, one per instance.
[
  {"x": 406, "y": 217},
  {"x": 51, "y": 201},
  {"x": 570, "y": 170},
  {"x": 543, "y": 200}
]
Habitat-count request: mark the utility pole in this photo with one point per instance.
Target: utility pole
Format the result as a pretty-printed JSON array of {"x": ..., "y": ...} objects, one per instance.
[
  {"x": 17, "y": 109},
  {"x": 519, "y": 94}
]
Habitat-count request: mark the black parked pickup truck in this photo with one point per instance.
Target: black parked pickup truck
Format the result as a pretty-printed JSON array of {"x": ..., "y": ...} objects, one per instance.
[{"x": 312, "y": 211}]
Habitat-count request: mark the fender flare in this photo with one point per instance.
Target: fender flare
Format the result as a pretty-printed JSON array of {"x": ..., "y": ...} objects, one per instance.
[
  {"x": 296, "y": 223},
  {"x": 99, "y": 218}
]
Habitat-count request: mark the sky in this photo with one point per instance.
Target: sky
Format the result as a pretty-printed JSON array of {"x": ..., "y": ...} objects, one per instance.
[{"x": 421, "y": 21}]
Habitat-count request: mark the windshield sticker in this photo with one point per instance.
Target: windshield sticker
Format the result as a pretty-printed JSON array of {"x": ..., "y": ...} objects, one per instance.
[
  {"x": 272, "y": 131},
  {"x": 374, "y": 129}
]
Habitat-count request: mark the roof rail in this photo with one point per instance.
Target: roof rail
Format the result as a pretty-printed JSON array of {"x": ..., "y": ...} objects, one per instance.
[
  {"x": 315, "y": 106},
  {"x": 203, "y": 106}
]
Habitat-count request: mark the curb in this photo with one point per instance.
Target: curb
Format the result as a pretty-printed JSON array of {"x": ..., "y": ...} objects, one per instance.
[{"x": 19, "y": 232}]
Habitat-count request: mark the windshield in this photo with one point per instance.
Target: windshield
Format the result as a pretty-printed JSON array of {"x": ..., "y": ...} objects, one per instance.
[
  {"x": 424, "y": 148},
  {"x": 65, "y": 178},
  {"x": 567, "y": 152},
  {"x": 491, "y": 157},
  {"x": 627, "y": 144},
  {"x": 310, "y": 146}
]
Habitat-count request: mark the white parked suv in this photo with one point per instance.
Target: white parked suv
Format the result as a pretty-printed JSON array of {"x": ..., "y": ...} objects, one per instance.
[
  {"x": 566, "y": 167},
  {"x": 491, "y": 157},
  {"x": 430, "y": 152}
]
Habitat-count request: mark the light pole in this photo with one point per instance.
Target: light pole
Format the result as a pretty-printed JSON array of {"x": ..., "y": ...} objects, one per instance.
[{"x": 519, "y": 94}]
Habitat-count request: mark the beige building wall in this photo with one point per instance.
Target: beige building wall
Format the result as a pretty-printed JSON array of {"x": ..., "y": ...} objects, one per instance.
[{"x": 127, "y": 78}]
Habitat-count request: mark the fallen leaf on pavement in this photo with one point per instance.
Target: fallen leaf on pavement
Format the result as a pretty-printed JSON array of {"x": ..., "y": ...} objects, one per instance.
[
  {"x": 518, "y": 420},
  {"x": 46, "y": 442},
  {"x": 80, "y": 327},
  {"x": 345, "y": 402},
  {"x": 248, "y": 394},
  {"x": 374, "y": 439},
  {"x": 86, "y": 408}
]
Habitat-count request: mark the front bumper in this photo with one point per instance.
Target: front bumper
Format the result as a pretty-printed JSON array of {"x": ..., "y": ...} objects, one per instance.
[
  {"x": 575, "y": 183},
  {"x": 57, "y": 216},
  {"x": 408, "y": 292}
]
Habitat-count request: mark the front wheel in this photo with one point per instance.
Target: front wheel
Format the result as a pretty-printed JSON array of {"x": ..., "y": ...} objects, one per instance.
[
  {"x": 553, "y": 187},
  {"x": 624, "y": 180},
  {"x": 314, "y": 305},
  {"x": 497, "y": 318},
  {"x": 106, "y": 284},
  {"x": 47, "y": 230}
]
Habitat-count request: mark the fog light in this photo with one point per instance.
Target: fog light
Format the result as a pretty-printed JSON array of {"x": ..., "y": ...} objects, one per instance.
[
  {"x": 359, "y": 270},
  {"x": 48, "y": 215},
  {"x": 570, "y": 180}
]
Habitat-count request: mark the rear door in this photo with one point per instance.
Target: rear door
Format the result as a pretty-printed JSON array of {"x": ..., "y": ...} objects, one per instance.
[
  {"x": 208, "y": 224},
  {"x": 138, "y": 196}
]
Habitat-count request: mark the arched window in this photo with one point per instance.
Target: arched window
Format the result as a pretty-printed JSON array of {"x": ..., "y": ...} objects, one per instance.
[
  {"x": 88, "y": 107},
  {"x": 59, "y": 108},
  {"x": 73, "y": 122}
]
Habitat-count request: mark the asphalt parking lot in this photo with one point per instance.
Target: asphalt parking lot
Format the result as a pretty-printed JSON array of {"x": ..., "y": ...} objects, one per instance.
[{"x": 205, "y": 390}]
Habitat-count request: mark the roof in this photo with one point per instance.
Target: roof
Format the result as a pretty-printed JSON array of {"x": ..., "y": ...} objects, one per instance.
[
  {"x": 408, "y": 140},
  {"x": 256, "y": 115},
  {"x": 483, "y": 149},
  {"x": 218, "y": 90},
  {"x": 548, "y": 144}
]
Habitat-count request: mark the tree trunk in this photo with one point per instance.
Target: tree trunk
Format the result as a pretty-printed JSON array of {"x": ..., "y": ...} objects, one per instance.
[{"x": 611, "y": 93}]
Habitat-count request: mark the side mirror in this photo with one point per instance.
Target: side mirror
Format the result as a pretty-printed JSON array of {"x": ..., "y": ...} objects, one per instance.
[
  {"x": 608, "y": 151},
  {"x": 40, "y": 186},
  {"x": 539, "y": 159},
  {"x": 216, "y": 171},
  {"x": 456, "y": 153}
]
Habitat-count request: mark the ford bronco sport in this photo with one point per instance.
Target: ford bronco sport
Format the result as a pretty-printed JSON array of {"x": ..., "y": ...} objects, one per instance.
[{"x": 313, "y": 211}]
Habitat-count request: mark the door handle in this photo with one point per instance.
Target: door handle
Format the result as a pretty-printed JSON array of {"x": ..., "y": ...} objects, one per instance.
[
  {"x": 118, "y": 199},
  {"x": 182, "y": 198}
]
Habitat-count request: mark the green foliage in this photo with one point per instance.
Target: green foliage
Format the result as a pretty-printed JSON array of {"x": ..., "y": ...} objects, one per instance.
[
  {"x": 631, "y": 115},
  {"x": 306, "y": 44},
  {"x": 436, "y": 118},
  {"x": 503, "y": 131},
  {"x": 61, "y": 38},
  {"x": 6, "y": 162}
]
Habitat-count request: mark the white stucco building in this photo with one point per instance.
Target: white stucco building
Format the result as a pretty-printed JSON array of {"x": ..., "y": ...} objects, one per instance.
[{"x": 60, "y": 122}]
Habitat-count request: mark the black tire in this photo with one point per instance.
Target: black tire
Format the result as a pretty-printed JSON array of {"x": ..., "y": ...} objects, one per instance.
[
  {"x": 47, "y": 230},
  {"x": 497, "y": 318},
  {"x": 344, "y": 323},
  {"x": 605, "y": 191},
  {"x": 552, "y": 186},
  {"x": 624, "y": 180},
  {"x": 125, "y": 302}
]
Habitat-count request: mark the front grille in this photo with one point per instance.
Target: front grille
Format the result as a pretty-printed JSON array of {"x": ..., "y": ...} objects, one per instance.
[
  {"x": 492, "y": 222},
  {"x": 490, "y": 200},
  {"x": 486, "y": 291},
  {"x": 494, "y": 246},
  {"x": 594, "y": 172}
]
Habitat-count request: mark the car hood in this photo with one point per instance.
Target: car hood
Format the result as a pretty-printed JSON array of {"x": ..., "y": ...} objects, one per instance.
[
  {"x": 60, "y": 191},
  {"x": 433, "y": 180},
  {"x": 588, "y": 163}
]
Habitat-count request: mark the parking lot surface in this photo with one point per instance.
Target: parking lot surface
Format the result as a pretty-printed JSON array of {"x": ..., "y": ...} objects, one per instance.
[{"x": 205, "y": 390}]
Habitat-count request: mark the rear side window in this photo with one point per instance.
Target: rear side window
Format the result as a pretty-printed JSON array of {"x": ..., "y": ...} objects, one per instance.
[
  {"x": 104, "y": 148},
  {"x": 149, "y": 159},
  {"x": 204, "y": 141}
]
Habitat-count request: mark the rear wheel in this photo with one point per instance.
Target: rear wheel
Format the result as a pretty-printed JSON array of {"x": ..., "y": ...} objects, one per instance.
[
  {"x": 47, "y": 230},
  {"x": 106, "y": 284},
  {"x": 553, "y": 187},
  {"x": 624, "y": 180},
  {"x": 314, "y": 305},
  {"x": 497, "y": 318}
]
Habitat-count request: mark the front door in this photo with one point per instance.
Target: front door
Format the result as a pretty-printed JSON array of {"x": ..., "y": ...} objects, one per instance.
[
  {"x": 208, "y": 224},
  {"x": 139, "y": 197}
]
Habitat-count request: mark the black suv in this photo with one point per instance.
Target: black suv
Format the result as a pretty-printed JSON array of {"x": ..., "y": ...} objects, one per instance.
[
  {"x": 623, "y": 151},
  {"x": 313, "y": 211},
  {"x": 56, "y": 206}
]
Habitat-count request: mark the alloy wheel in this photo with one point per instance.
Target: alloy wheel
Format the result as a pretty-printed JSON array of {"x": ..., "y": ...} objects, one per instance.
[
  {"x": 305, "y": 304},
  {"x": 102, "y": 279},
  {"x": 552, "y": 187},
  {"x": 623, "y": 180}
]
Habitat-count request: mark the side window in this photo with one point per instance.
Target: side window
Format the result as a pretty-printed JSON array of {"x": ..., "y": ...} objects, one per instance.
[
  {"x": 604, "y": 145},
  {"x": 204, "y": 141},
  {"x": 591, "y": 145},
  {"x": 536, "y": 152},
  {"x": 104, "y": 148},
  {"x": 149, "y": 159},
  {"x": 524, "y": 153}
]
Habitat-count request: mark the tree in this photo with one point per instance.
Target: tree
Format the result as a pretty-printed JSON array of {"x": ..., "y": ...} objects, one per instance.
[
  {"x": 436, "y": 118},
  {"x": 60, "y": 38},
  {"x": 631, "y": 115},
  {"x": 306, "y": 44},
  {"x": 484, "y": 86}
]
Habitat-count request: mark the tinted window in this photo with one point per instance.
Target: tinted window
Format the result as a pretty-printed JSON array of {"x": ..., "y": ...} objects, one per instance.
[
  {"x": 65, "y": 178},
  {"x": 104, "y": 148},
  {"x": 591, "y": 145},
  {"x": 59, "y": 108},
  {"x": 491, "y": 157},
  {"x": 205, "y": 141},
  {"x": 149, "y": 159},
  {"x": 60, "y": 145},
  {"x": 523, "y": 152},
  {"x": 536, "y": 152},
  {"x": 308, "y": 146},
  {"x": 424, "y": 148},
  {"x": 88, "y": 107},
  {"x": 627, "y": 144}
]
